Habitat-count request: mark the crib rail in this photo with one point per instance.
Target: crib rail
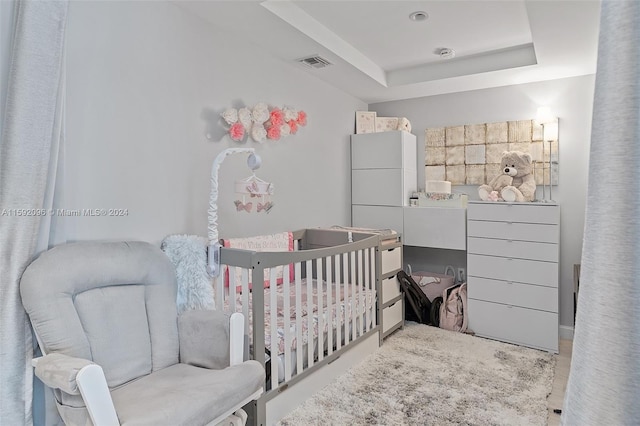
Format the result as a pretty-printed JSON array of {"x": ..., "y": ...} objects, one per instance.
[{"x": 321, "y": 298}]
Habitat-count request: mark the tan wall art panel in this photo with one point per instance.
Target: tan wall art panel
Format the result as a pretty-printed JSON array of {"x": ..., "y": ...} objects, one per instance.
[
  {"x": 470, "y": 154},
  {"x": 497, "y": 132}
]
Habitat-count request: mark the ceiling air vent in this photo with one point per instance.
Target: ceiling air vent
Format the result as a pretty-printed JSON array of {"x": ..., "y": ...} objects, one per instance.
[{"x": 316, "y": 62}]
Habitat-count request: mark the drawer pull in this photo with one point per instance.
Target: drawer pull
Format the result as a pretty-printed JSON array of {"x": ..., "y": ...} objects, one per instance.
[
  {"x": 509, "y": 222},
  {"x": 392, "y": 249},
  {"x": 509, "y": 306},
  {"x": 509, "y": 241}
]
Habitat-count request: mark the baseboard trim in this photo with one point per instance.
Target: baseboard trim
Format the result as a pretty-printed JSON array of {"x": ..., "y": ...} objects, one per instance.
[{"x": 566, "y": 332}]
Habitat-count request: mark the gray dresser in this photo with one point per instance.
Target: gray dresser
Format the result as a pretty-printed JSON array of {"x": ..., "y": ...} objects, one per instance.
[{"x": 512, "y": 268}]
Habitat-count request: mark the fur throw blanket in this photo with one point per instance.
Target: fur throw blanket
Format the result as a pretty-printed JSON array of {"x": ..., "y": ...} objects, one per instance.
[{"x": 188, "y": 253}]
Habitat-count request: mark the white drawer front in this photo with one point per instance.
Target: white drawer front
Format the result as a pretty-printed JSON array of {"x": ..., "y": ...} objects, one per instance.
[
  {"x": 513, "y": 248},
  {"x": 391, "y": 316},
  {"x": 435, "y": 227},
  {"x": 378, "y": 217},
  {"x": 509, "y": 269},
  {"x": 513, "y": 231},
  {"x": 514, "y": 294},
  {"x": 391, "y": 259},
  {"x": 387, "y": 150},
  {"x": 523, "y": 326},
  {"x": 381, "y": 187},
  {"x": 527, "y": 213},
  {"x": 390, "y": 289}
]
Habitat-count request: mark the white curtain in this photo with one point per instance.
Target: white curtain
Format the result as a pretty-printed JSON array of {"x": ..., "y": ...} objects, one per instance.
[
  {"x": 30, "y": 156},
  {"x": 604, "y": 383}
]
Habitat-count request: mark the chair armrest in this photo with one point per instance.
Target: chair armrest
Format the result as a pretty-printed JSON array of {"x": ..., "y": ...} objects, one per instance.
[
  {"x": 79, "y": 376},
  {"x": 210, "y": 339},
  {"x": 60, "y": 371}
]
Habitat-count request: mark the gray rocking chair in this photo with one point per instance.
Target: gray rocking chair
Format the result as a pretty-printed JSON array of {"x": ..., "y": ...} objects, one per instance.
[{"x": 116, "y": 352}]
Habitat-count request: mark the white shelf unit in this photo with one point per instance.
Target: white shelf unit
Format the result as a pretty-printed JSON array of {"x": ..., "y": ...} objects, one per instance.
[
  {"x": 391, "y": 301},
  {"x": 512, "y": 268},
  {"x": 383, "y": 177}
]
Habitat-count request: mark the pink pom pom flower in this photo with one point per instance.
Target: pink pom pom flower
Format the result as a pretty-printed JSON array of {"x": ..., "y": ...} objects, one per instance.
[
  {"x": 302, "y": 118},
  {"x": 236, "y": 131},
  {"x": 273, "y": 133},
  {"x": 293, "y": 125},
  {"x": 277, "y": 117}
]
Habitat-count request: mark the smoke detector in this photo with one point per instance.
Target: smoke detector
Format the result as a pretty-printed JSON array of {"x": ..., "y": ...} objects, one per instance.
[
  {"x": 315, "y": 61},
  {"x": 446, "y": 53}
]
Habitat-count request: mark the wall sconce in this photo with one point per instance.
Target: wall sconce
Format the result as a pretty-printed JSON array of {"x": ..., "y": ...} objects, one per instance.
[{"x": 549, "y": 125}]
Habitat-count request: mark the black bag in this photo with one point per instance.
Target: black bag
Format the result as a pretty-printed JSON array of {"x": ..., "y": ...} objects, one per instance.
[
  {"x": 419, "y": 307},
  {"x": 434, "y": 314}
]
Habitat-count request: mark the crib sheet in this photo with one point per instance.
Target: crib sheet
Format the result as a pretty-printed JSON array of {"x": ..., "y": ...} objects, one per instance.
[{"x": 332, "y": 316}]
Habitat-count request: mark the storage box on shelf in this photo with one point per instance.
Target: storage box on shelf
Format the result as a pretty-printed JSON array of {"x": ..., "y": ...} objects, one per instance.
[{"x": 512, "y": 268}]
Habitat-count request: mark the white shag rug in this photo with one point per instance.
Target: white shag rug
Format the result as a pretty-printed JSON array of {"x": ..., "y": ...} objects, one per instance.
[{"x": 424, "y": 375}]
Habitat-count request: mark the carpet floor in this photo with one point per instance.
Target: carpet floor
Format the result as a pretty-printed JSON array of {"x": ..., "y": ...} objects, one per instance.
[{"x": 428, "y": 376}]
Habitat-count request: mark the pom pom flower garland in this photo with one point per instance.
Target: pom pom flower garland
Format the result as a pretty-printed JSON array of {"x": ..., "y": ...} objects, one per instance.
[{"x": 263, "y": 123}]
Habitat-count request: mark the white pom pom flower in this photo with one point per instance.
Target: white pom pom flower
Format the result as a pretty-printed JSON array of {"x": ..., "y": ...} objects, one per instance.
[
  {"x": 258, "y": 132},
  {"x": 244, "y": 116},
  {"x": 230, "y": 116},
  {"x": 290, "y": 114},
  {"x": 285, "y": 130},
  {"x": 260, "y": 113}
]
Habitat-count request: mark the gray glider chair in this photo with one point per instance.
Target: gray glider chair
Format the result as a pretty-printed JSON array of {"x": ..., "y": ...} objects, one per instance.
[{"x": 116, "y": 351}]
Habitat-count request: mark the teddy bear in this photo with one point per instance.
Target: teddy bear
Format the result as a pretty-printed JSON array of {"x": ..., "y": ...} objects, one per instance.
[
  {"x": 515, "y": 182},
  {"x": 404, "y": 124}
]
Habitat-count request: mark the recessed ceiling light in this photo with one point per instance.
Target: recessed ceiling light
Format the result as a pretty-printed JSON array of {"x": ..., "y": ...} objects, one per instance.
[
  {"x": 419, "y": 16},
  {"x": 446, "y": 53}
]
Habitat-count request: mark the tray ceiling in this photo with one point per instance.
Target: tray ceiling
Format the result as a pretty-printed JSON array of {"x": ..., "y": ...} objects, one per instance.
[{"x": 379, "y": 54}]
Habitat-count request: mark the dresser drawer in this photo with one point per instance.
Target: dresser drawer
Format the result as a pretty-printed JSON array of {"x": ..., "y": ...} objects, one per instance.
[
  {"x": 513, "y": 248},
  {"x": 377, "y": 217},
  {"x": 382, "y": 187},
  {"x": 528, "y": 327},
  {"x": 385, "y": 150},
  {"x": 391, "y": 316},
  {"x": 436, "y": 227},
  {"x": 391, "y": 259},
  {"x": 507, "y": 212},
  {"x": 510, "y": 269},
  {"x": 513, "y": 231},
  {"x": 514, "y": 294},
  {"x": 390, "y": 289}
]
